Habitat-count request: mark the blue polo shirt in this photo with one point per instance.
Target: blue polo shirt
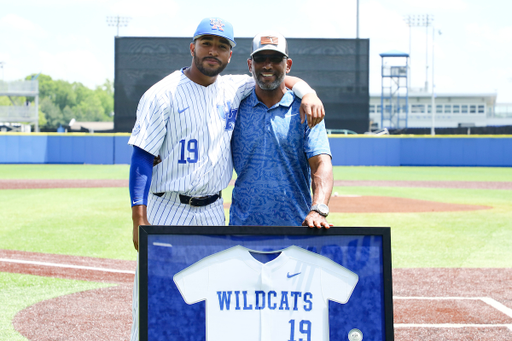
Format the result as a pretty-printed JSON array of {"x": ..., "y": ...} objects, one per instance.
[{"x": 270, "y": 150}]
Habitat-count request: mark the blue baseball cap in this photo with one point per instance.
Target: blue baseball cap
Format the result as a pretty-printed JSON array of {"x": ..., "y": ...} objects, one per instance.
[{"x": 216, "y": 27}]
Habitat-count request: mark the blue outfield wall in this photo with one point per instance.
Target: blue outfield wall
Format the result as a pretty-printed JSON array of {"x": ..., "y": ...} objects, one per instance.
[
  {"x": 65, "y": 148},
  {"x": 456, "y": 150},
  {"x": 361, "y": 150}
]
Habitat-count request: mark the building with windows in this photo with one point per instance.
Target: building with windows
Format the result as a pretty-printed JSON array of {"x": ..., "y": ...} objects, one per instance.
[{"x": 452, "y": 111}]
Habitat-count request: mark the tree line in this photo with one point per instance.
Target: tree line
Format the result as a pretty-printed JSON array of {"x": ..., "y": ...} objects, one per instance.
[{"x": 60, "y": 101}]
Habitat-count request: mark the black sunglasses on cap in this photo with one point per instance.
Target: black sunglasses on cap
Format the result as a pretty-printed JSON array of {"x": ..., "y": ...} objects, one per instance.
[{"x": 274, "y": 58}]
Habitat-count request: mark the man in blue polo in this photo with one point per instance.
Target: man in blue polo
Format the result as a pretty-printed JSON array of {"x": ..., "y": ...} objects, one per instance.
[{"x": 277, "y": 158}]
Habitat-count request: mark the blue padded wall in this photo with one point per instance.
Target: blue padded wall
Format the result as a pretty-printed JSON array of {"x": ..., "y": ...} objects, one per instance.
[
  {"x": 346, "y": 151},
  {"x": 64, "y": 148}
]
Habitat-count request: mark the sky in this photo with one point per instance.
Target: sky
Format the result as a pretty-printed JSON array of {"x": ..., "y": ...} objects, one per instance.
[{"x": 71, "y": 39}]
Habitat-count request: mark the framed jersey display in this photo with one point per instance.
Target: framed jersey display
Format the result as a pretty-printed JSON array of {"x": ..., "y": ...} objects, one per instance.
[{"x": 252, "y": 283}]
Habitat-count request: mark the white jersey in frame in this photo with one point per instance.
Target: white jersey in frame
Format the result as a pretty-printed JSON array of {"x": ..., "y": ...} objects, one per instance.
[{"x": 284, "y": 299}]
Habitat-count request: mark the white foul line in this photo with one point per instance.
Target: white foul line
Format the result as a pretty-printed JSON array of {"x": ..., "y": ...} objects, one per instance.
[
  {"x": 450, "y": 325},
  {"x": 490, "y": 301},
  {"x": 69, "y": 266},
  {"x": 434, "y": 298},
  {"x": 497, "y": 305}
]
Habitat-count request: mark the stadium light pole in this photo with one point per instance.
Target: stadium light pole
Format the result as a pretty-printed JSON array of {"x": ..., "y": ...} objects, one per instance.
[
  {"x": 407, "y": 21},
  {"x": 433, "y": 128},
  {"x": 357, "y": 20},
  {"x": 424, "y": 20},
  {"x": 118, "y": 21}
]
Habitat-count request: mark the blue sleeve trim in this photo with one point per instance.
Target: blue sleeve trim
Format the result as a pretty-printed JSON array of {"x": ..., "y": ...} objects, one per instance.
[{"x": 141, "y": 171}]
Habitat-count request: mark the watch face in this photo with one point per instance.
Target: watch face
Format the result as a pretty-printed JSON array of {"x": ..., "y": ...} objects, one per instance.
[{"x": 322, "y": 209}]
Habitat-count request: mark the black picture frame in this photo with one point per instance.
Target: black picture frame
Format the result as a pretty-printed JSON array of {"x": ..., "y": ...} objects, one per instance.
[{"x": 157, "y": 265}]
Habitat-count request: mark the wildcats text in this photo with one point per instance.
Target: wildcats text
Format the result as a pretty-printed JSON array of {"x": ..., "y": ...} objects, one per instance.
[{"x": 259, "y": 299}]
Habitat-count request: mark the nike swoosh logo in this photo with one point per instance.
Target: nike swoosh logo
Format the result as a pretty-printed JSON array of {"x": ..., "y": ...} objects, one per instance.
[
  {"x": 182, "y": 110},
  {"x": 134, "y": 202},
  {"x": 290, "y": 276},
  {"x": 290, "y": 115}
]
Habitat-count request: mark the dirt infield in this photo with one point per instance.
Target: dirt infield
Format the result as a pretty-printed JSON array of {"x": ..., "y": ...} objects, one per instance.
[
  {"x": 70, "y": 183},
  {"x": 427, "y": 184},
  {"x": 378, "y": 204},
  {"x": 101, "y": 314},
  {"x": 59, "y": 183},
  {"x": 429, "y": 304}
]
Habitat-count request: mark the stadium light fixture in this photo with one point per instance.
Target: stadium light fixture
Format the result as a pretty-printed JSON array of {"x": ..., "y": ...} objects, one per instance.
[{"x": 118, "y": 21}]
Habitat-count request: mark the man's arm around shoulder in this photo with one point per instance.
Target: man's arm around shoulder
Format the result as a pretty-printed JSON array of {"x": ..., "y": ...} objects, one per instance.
[{"x": 311, "y": 106}]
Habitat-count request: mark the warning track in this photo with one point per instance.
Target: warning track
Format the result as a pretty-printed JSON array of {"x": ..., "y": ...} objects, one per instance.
[{"x": 72, "y": 183}]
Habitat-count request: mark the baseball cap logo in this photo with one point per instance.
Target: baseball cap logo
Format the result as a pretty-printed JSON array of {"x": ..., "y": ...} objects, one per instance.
[
  {"x": 269, "y": 40},
  {"x": 217, "y": 24}
]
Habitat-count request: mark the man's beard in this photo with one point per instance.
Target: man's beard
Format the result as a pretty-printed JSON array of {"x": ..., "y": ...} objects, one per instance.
[
  {"x": 209, "y": 72},
  {"x": 269, "y": 86}
]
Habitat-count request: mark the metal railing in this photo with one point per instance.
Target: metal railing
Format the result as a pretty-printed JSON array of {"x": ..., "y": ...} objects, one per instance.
[
  {"x": 29, "y": 87},
  {"x": 503, "y": 110},
  {"x": 18, "y": 114},
  {"x": 378, "y": 132}
]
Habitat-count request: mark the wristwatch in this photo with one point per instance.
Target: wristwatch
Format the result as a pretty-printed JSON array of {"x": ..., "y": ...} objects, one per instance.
[{"x": 322, "y": 209}]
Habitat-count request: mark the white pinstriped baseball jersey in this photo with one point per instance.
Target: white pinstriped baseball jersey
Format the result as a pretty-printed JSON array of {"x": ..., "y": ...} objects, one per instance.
[
  {"x": 284, "y": 299},
  {"x": 190, "y": 127}
]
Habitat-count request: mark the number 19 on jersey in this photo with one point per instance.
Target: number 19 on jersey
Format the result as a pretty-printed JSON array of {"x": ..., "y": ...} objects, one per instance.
[
  {"x": 191, "y": 155},
  {"x": 304, "y": 328}
]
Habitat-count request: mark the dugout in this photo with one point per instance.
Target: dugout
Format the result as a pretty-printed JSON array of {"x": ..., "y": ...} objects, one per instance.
[{"x": 338, "y": 69}]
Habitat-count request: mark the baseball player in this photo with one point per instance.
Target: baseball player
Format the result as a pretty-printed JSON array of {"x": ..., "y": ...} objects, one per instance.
[
  {"x": 187, "y": 120},
  {"x": 284, "y": 299}
]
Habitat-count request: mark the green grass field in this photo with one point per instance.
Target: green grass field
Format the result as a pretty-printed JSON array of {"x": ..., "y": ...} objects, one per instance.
[{"x": 96, "y": 222}]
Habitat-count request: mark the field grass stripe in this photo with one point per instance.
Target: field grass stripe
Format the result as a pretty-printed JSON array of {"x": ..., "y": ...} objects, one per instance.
[{"x": 69, "y": 266}]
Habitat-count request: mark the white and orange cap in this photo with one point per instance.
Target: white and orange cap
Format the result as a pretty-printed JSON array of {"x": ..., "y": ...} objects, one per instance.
[{"x": 269, "y": 41}]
